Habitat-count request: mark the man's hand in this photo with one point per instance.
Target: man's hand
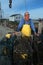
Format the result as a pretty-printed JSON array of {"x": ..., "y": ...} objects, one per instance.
[
  {"x": 17, "y": 33},
  {"x": 36, "y": 34}
]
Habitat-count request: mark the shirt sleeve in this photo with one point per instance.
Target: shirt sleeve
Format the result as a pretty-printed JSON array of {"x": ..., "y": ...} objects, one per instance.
[
  {"x": 32, "y": 26},
  {"x": 20, "y": 25}
]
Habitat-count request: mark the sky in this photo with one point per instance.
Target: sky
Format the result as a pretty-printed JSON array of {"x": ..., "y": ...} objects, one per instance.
[{"x": 34, "y": 7}]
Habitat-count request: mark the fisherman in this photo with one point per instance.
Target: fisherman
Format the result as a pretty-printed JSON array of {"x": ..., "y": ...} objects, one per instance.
[
  {"x": 26, "y": 26},
  {"x": 26, "y": 20}
]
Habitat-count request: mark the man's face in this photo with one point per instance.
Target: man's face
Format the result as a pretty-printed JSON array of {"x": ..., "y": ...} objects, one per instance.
[{"x": 26, "y": 16}]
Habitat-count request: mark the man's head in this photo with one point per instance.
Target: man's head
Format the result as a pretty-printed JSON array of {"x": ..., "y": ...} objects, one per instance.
[{"x": 26, "y": 16}]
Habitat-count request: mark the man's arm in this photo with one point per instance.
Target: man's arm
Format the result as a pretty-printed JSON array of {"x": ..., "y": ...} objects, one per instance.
[
  {"x": 32, "y": 26},
  {"x": 20, "y": 25}
]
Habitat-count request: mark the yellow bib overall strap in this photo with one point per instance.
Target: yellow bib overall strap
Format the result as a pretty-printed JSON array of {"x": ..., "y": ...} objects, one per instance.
[{"x": 26, "y": 30}]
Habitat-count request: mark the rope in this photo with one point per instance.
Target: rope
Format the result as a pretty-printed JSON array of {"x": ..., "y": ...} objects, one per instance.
[{"x": 25, "y": 5}]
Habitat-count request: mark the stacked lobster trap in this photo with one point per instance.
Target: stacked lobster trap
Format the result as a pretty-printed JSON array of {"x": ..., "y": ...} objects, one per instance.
[
  {"x": 21, "y": 52},
  {"x": 5, "y": 55}
]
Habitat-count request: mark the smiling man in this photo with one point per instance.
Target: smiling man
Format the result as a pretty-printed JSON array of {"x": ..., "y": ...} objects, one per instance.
[{"x": 26, "y": 20}]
